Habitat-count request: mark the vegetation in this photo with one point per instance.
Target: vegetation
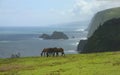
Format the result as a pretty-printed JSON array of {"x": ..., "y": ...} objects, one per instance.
[
  {"x": 101, "y": 17},
  {"x": 105, "y": 38},
  {"x": 107, "y": 63}
]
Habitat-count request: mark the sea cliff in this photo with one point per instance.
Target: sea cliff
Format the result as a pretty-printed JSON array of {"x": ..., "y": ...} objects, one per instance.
[{"x": 103, "y": 32}]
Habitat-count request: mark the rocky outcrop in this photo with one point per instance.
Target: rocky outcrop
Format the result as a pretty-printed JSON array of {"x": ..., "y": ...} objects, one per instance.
[
  {"x": 81, "y": 45},
  {"x": 104, "y": 32},
  {"x": 55, "y": 35},
  {"x": 45, "y": 36}
]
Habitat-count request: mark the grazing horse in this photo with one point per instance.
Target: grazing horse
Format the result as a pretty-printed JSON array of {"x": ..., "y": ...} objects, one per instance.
[
  {"x": 61, "y": 50},
  {"x": 47, "y": 52},
  {"x": 52, "y": 51},
  {"x": 43, "y": 52},
  {"x": 58, "y": 50}
]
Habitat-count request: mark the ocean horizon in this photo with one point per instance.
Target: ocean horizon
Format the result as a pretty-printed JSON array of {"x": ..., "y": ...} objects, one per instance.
[{"x": 26, "y": 41}]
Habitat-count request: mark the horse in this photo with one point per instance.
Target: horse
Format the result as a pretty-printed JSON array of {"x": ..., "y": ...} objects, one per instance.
[
  {"x": 57, "y": 51},
  {"x": 43, "y": 52},
  {"x": 47, "y": 52},
  {"x": 61, "y": 50},
  {"x": 52, "y": 51}
]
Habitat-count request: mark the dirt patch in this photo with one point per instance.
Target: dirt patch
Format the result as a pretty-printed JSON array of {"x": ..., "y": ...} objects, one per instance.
[{"x": 11, "y": 67}]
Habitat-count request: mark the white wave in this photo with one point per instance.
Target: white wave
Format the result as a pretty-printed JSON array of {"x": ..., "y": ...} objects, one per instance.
[
  {"x": 37, "y": 38},
  {"x": 71, "y": 51},
  {"x": 80, "y": 30},
  {"x": 84, "y": 38},
  {"x": 75, "y": 44}
]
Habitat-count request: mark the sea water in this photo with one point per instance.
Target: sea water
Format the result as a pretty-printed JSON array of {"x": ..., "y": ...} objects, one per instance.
[{"x": 26, "y": 41}]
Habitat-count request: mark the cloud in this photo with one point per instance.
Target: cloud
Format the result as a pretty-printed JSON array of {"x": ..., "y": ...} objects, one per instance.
[
  {"x": 79, "y": 10},
  {"x": 86, "y": 9},
  {"x": 83, "y": 10},
  {"x": 22, "y": 18}
]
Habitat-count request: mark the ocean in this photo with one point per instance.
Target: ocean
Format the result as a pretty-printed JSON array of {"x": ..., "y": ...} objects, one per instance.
[{"x": 26, "y": 41}]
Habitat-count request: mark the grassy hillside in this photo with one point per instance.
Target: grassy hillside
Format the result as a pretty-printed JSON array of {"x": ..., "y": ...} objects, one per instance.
[{"x": 107, "y": 63}]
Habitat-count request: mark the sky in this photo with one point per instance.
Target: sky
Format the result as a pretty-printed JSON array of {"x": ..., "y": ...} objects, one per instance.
[{"x": 50, "y": 12}]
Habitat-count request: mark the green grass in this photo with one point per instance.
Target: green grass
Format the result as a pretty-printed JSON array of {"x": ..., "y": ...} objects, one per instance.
[{"x": 107, "y": 63}]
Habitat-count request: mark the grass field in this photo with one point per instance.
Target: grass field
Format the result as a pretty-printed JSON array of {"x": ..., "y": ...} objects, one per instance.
[{"x": 107, "y": 63}]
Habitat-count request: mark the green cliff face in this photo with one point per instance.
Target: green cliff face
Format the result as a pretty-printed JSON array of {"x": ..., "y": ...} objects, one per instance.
[
  {"x": 105, "y": 38},
  {"x": 102, "y": 17},
  {"x": 104, "y": 32}
]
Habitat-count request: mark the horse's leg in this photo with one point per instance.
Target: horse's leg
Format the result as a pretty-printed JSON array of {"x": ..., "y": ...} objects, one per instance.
[
  {"x": 56, "y": 53},
  {"x": 63, "y": 54},
  {"x": 41, "y": 54},
  {"x": 47, "y": 54},
  {"x": 53, "y": 54},
  {"x": 44, "y": 53}
]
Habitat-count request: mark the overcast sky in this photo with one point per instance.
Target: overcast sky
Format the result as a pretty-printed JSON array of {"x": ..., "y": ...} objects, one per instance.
[{"x": 50, "y": 12}]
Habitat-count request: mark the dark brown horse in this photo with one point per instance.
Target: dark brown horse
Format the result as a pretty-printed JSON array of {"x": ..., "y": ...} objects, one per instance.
[
  {"x": 52, "y": 51},
  {"x": 59, "y": 50},
  {"x": 43, "y": 53},
  {"x": 47, "y": 52}
]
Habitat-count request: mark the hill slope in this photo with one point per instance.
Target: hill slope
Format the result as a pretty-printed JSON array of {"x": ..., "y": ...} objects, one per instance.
[
  {"x": 102, "y": 17},
  {"x": 105, "y": 38},
  {"x": 79, "y": 64},
  {"x": 103, "y": 34}
]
